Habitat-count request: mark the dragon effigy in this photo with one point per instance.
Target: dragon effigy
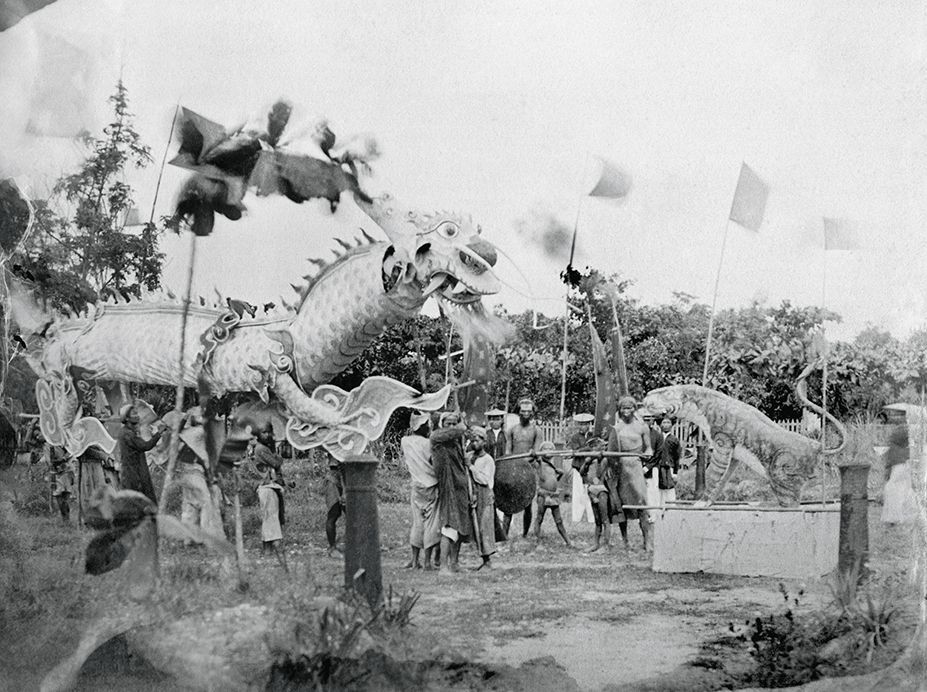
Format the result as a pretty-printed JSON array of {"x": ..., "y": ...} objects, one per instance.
[
  {"x": 739, "y": 433},
  {"x": 285, "y": 355}
]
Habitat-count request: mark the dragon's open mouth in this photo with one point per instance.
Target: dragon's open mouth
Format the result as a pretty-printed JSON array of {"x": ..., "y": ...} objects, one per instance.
[{"x": 451, "y": 288}]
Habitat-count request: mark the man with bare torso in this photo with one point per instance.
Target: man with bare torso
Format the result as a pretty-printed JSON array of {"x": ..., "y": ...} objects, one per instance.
[{"x": 523, "y": 438}]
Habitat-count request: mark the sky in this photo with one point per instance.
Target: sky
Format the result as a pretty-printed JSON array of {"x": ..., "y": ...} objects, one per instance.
[{"x": 499, "y": 109}]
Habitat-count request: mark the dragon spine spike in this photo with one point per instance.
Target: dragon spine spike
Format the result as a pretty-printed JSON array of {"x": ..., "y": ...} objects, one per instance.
[
  {"x": 345, "y": 244},
  {"x": 316, "y": 261},
  {"x": 367, "y": 236}
]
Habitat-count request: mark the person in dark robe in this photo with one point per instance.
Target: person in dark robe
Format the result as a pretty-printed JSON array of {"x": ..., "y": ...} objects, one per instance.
[
  {"x": 495, "y": 435},
  {"x": 334, "y": 503},
  {"x": 651, "y": 476},
  {"x": 447, "y": 453},
  {"x": 131, "y": 449},
  {"x": 668, "y": 462}
]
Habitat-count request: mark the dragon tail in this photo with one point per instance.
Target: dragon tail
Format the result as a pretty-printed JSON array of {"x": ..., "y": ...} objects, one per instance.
[{"x": 801, "y": 391}]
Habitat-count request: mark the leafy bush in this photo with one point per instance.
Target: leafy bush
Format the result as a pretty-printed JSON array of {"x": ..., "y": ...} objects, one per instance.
[
  {"x": 792, "y": 648},
  {"x": 787, "y": 647}
]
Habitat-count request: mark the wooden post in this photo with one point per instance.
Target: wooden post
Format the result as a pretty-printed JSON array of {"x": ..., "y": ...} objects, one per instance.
[
  {"x": 239, "y": 537},
  {"x": 854, "y": 518},
  {"x": 362, "y": 570},
  {"x": 701, "y": 463}
]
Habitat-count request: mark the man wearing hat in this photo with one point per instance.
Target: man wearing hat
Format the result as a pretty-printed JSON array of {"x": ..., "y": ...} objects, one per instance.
[
  {"x": 495, "y": 435},
  {"x": 483, "y": 472},
  {"x": 131, "y": 450},
  {"x": 416, "y": 453},
  {"x": 582, "y": 440},
  {"x": 651, "y": 476}
]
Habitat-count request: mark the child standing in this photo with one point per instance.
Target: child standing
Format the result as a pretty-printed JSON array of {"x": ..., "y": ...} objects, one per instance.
[{"x": 549, "y": 492}]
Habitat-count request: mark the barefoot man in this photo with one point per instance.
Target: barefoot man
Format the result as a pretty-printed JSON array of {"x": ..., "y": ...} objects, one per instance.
[
  {"x": 522, "y": 438},
  {"x": 416, "y": 452},
  {"x": 483, "y": 471}
]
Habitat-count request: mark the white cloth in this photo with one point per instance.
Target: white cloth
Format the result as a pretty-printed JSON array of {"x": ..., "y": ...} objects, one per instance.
[
  {"x": 580, "y": 505},
  {"x": 484, "y": 470},
  {"x": 197, "y": 506},
  {"x": 270, "y": 513},
  {"x": 667, "y": 496},
  {"x": 653, "y": 490},
  {"x": 416, "y": 452},
  {"x": 898, "y": 503}
]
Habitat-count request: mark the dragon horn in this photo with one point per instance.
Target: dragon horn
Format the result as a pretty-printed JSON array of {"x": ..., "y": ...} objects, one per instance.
[{"x": 801, "y": 391}]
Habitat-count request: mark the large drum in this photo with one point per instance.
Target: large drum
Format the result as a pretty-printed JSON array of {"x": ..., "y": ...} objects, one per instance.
[{"x": 515, "y": 484}]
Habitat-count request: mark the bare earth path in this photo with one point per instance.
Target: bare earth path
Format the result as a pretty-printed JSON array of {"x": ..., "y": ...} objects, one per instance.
[{"x": 605, "y": 618}]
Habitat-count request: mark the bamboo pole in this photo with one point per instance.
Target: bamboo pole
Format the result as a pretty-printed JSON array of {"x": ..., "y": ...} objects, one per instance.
[
  {"x": 824, "y": 355},
  {"x": 565, "y": 354},
  {"x": 163, "y": 162},
  {"x": 714, "y": 302},
  {"x": 618, "y": 353},
  {"x": 174, "y": 447}
]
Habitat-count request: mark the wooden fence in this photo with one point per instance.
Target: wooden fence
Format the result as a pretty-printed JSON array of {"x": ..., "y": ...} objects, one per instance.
[{"x": 554, "y": 431}]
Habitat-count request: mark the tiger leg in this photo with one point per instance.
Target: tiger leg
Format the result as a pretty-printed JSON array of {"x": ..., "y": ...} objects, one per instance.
[
  {"x": 722, "y": 465},
  {"x": 787, "y": 476}
]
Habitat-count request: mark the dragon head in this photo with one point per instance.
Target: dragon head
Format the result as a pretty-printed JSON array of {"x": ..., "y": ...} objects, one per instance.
[{"x": 441, "y": 253}]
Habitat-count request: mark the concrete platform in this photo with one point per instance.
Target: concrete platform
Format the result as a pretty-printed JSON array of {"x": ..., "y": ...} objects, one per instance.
[{"x": 798, "y": 543}]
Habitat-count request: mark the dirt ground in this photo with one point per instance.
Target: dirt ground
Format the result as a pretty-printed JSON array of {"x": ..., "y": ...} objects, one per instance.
[{"x": 545, "y": 616}]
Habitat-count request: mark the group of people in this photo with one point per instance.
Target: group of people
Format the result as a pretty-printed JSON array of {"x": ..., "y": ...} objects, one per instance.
[
  {"x": 453, "y": 471},
  {"x": 96, "y": 468}
]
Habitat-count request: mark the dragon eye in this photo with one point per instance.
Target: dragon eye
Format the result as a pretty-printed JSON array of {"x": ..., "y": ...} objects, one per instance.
[{"x": 448, "y": 229}]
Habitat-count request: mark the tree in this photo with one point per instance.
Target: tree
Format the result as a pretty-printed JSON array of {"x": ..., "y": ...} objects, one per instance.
[{"x": 88, "y": 251}]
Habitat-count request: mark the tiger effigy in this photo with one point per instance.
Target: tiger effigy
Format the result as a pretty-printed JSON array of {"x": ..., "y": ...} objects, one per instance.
[{"x": 739, "y": 433}]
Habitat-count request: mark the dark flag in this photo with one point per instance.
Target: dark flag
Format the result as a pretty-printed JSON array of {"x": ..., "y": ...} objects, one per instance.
[
  {"x": 479, "y": 365},
  {"x": 605, "y": 401}
]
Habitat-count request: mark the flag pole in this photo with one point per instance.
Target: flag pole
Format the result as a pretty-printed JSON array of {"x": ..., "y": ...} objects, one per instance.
[
  {"x": 174, "y": 447},
  {"x": 170, "y": 136},
  {"x": 824, "y": 369},
  {"x": 566, "y": 298},
  {"x": 714, "y": 302}
]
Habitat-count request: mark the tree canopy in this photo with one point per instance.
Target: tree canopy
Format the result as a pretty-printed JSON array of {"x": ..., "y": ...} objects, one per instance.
[{"x": 88, "y": 242}]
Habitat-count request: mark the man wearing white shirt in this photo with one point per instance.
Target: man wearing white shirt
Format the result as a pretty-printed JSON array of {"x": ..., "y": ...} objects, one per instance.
[{"x": 483, "y": 471}]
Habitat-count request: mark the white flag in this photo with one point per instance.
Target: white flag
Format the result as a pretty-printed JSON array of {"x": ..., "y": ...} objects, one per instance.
[
  {"x": 839, "y": 234},
  {"x": 749, "y": 203},
  {"x": 608, "y": 180}
]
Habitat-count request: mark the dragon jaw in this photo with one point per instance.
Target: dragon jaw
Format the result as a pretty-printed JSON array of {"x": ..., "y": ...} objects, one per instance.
[{"x": 442, "y": 253}]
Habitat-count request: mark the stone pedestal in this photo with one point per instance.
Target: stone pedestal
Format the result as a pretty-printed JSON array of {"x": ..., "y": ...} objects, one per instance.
[{"x": 749, "y": 541}]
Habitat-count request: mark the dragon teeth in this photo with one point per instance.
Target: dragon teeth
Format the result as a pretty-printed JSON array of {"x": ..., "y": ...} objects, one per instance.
[{"x": 436, "y": 282}]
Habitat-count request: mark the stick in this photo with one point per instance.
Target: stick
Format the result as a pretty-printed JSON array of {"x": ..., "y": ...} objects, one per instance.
[
  {"x": 174, "y": 446},
  {"x": 565, "y": 354},
  {"x": 239, "y": 538},
  {"x": 163, "y": 162},
  {"x": 714, "y": 302},
  {"x": 824, "y": 373},
  {"x": 618, "y": 352},
  {"x": 732, "y": 508},
  {"x": 570, "y": 453}
]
